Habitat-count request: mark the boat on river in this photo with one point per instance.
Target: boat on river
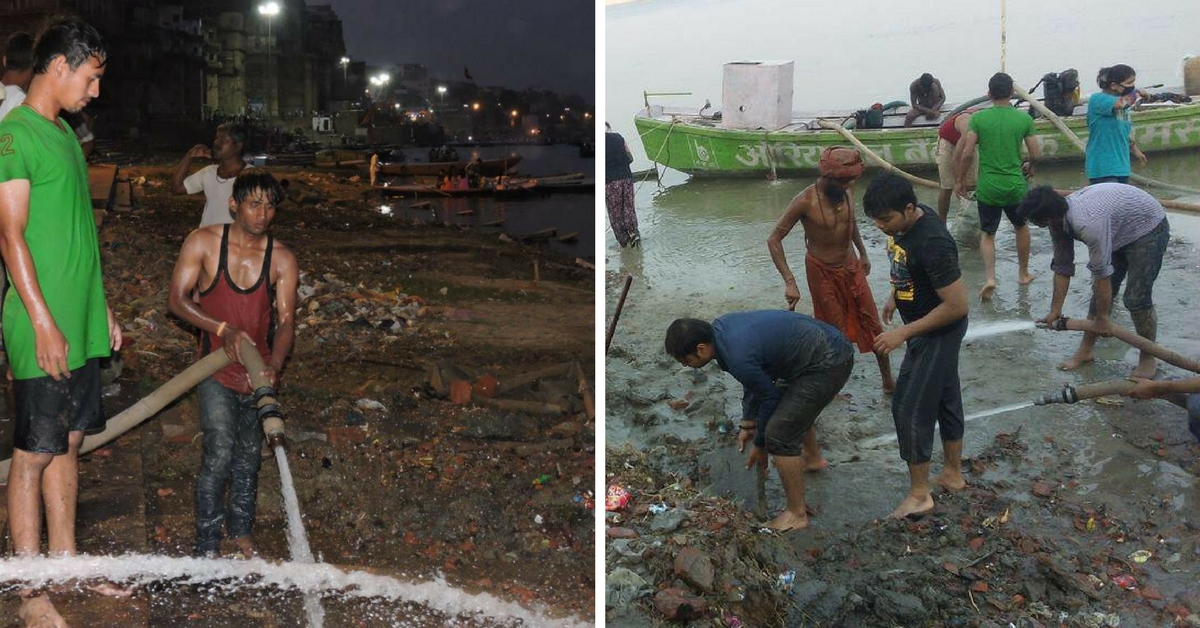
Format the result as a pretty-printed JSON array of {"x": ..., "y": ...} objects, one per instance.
[
  {"x": 486, "y": 167},
  {"x": 760, "y": 135}
]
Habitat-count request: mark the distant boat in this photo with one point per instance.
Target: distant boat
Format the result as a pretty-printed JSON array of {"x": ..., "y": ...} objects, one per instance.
[
  {"x": 700, "y": 146},
  {"x": 487, "y": 167}
]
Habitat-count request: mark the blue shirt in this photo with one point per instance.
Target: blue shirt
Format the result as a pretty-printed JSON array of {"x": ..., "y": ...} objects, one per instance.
[
  {"x": 758, "y": 348},
  {"x": 1108, "y": 138}
]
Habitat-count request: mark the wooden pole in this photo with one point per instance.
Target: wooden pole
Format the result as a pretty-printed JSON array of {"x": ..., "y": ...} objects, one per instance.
[
  {"x": 612, "y": 327},
  {"x": 1003, "y": 34},
  {"x": 883, "y": 163}
]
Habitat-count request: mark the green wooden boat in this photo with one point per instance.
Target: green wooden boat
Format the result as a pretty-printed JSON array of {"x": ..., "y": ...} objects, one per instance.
[{"x": 698, "y": 144}]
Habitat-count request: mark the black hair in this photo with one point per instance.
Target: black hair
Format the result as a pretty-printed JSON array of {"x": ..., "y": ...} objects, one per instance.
[
  {"x": 888, "y": 193},
  {"x": 18, "y": 53},
  {"x": 251, "y": 180},
  {"x": 236, "y": 132},
  {"x": 69, "y": 37},
  {"x": 1000, "y": 86},
  {"x": 685, "y": 334},
  {"x": 1116, "y": 74},
  {"x": 1041, "y": 205},
  {"x": 926, "y": 81}
]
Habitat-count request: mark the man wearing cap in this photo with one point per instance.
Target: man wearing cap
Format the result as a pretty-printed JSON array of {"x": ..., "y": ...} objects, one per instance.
[{"x": 836, "y": 270}]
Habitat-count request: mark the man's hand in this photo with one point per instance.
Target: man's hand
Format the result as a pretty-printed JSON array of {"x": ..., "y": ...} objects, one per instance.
[
  {"x": 1139, "y": 156},
  {"x": 52, "y": 350},
  {"x": 1049, "y": 319},
  {"x": 114, "y": 331},
  {"x": 1104, "y": 325},
  {"x": 232, "y": 339},
  {"x": 745, "y": 435},
  {"x": 757, "y": 458},
  {"x": 791, "y": 294},
  {"x": 269, "y": 374},
  {"x": 865, "y": 263},
  {"x": 960, "y": 189},
  {"x": 889, "y": 309},
  {"x": 1145, "y": 389},
  {"x": 887, "y": 342},
  {"x": 198, "y": 151}
]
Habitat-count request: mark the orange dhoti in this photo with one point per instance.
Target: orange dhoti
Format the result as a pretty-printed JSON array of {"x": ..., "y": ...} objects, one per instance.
[{"x": 842, "y": 298}]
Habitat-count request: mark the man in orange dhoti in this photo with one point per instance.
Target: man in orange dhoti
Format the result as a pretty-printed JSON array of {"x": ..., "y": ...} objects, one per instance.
[{"x": 836, "y": 261}]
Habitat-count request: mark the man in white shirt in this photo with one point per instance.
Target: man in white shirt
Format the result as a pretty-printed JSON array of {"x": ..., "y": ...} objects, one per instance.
[
  {"x": 216, "y": 180},
  {"x": 18, "y": 72}
]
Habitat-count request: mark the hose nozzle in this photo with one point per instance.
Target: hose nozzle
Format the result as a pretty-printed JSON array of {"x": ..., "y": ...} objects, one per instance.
[
  {"x": 273, "y": 428},
  {"x": 1058, "y": 324},
  {"x": 1068, "y": 394}
]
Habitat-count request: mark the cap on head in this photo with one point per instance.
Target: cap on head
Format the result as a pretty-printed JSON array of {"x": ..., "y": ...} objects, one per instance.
[{"x": 840, "y": 162}]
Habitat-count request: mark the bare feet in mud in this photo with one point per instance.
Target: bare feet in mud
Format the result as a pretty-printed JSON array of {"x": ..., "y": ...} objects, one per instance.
[
  {"x": 39, "y": 612},
  {"x": 813, "y": 466},
  {"x": 246, "y": 545},
  {"x": 951, "y": 481},
  {"x": 889, "y": 387},
  {"x": 1147, "y": 368},
  {"x": 1026, "y": 278},
  {"x": 787, "y": 520},
  {"x": 1076, "y": 361},
  {"x": 985, "y": 293},
  {"x": 912, "y": 506}
]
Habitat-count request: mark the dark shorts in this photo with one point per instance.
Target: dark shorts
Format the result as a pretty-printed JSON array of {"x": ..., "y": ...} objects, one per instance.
[
  {"x": 803, "y": 400},
  {"x": 1136, "y": 266},
  {"x": 928, "y": 393},
  {"x": 48, "y": 410},
  {"x": 1193, "y": 408},
  {"x": 1108, "y": 180},
  {"x": 989, "y": 217}
]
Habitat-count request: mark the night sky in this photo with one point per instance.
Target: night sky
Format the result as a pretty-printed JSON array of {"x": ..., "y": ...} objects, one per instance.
[{"x": 543, "y": 44}]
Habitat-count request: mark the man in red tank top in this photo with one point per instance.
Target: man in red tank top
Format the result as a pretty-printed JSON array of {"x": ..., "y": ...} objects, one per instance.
[
  {"x": 243, "y": 276},
  {"x": 950, "y": 131}
]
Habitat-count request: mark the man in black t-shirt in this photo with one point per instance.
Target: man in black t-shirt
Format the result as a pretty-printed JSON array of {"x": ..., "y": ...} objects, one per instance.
[{"x": 928, "y": 290}]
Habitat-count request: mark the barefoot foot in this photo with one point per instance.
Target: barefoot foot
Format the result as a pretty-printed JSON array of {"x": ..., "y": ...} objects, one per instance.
[
  {"x": 912, "y": 506},
  {"x": 246, "y": 545},
  {"x": 950, "y": 480},
  {"x": 812, "y": 465},
  {"x": 1076, "y": 361},
  {"x": 1147, "y": 368},
  {"x": 1025, "y": 278},
  {"x": 787, "y": 520},
  {"x": 985, "y": 293},
  {"x": 39, "y": 612}
]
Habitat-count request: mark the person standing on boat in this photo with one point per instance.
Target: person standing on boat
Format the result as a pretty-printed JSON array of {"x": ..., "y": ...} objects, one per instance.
[
  {"x": 243, "y": 275},
  {"x": 1110, "y": 132},
  {"x": 999, "y": 131},
  {"x": 618, "y": 188},
  {"x": 949, "y": 134},
  {"x": 926, "y": 98},
  {"x": 1126, "y": 232},
  {"x": 835, "y": 261},
  {"x": 811, "y": 360},
  {"x": 215, "y": 180},
  {"x": 928, "y": 291},
  {"x": 57, "y": 323}
]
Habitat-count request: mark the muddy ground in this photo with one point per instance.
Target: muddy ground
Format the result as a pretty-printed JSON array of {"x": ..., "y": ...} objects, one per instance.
[
  {"x": 1075, "y": 515},
  {"x": 391, "y": 476}
]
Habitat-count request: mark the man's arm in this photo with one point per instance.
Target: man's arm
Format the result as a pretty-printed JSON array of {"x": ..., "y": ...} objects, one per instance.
[
  {"x": 285, "y": 309},
  {"x": 1102, "y": 299},
  {"x": 758, "y": 385},
  {"x": 953, "y": 307},
  {"x": 185, "y": 165},
  {"x": 914, "y": 96},
  {"x": 184, "y": 279},
  {"x": 1063, "y": 266},
  {"x": 795, "y": 210},
  {"x": 939, "y": 98},
  {"x": 49, "y": 343},
  {"x": 1034, "y": 148},
  {"x": 856, "y": 236}
]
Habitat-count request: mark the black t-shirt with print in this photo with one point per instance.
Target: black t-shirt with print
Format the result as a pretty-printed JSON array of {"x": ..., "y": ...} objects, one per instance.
[{"x": 924, "y": 259}]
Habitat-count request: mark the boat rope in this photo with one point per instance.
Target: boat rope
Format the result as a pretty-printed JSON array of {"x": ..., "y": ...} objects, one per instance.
[
  {"x": 665, "y": 145},
  {"x": 1074, "y": 139},
  {"x": 883, "y": 163}
]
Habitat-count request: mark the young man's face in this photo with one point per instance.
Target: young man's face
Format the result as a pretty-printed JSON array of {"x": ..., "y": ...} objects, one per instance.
[
  {"x": 896, "y": 223},
  {"x": 224, "y": 146},
  {"x": 76, "y": 88},
  {"x": 255, "y": 213},
  {"x": 703, "y": 354}
]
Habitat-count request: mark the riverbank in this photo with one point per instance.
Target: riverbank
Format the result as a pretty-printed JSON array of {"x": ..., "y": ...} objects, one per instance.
[{"x": 392, "y": 476}]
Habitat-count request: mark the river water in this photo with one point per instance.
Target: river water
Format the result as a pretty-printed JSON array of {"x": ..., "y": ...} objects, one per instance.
[{"x": 704, "y": 251}]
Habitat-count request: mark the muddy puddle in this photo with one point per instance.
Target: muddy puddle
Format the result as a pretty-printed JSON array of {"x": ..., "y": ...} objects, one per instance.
[{"x": 1061, "y": 495}]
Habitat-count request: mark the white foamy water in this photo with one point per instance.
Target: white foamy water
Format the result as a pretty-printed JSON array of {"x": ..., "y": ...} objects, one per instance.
[
  {"x": 995, "y": 329},
  {"x": 297, "y": 537},
  {"x": 316, "y": 578}
]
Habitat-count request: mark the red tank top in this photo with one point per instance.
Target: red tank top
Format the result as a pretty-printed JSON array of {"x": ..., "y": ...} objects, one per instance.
[
  {"x": 948, "y": 131},
  {"x": 249, "y": 310}
]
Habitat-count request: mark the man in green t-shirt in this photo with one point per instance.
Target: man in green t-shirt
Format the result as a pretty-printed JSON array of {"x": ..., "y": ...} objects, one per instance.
[
  {"x": 999, "y": 131},
  {"x": 57, "y": 323}
]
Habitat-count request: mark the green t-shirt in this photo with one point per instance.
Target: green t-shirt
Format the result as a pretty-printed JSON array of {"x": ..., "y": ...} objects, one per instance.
[
  {"x": 1001, "y": 131},
  {"x": 61, "y": 234}
]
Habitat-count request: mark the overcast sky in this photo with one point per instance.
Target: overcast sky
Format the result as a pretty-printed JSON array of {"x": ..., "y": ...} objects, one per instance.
[{"x": 545, "y": 44}]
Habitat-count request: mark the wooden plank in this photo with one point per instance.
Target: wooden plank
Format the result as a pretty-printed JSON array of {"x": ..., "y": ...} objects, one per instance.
[
  {"x": 494, "y": 223},
  {"x": 569, "y": 237},
  {"x": 421, "y": 205},
  {"x": 102, "y": 181},
  {"x": 466, "y": 212},
  {"x": 544, "y": 234}
]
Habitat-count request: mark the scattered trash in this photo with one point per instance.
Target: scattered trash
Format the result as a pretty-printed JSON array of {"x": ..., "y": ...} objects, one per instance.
[
  {"x": 616, "y": 498},
  {"x": 657, "y": 508},
  {"x": 732, "y": 621},
  {"x": 586, "y": 500},
  {"x": 1125, "y": 581},
  {"x": 538, "y": 519},
  {"x": 541, "y": 480},
  {"x": 787, "y": 581},
  {"x": 1140, "y": 556}
]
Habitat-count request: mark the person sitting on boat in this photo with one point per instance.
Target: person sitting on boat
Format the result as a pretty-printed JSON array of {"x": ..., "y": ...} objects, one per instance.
[
  {"x": 810, "y": 360},
  {"x": 461, "y": 182},
  {"x": 835, "y": 262},
  {"x": 446, "y": 179},
  {"x": 1110, "y": 141},
  {"x": 926, "y": 97},
  {"x": 948, "y": 152}
]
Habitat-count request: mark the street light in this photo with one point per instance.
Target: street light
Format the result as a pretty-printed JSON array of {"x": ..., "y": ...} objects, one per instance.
[
  {"x": 270, "y": 10},
  {"x": 442, "y": 93},
  {"x": 345, "y": 62}
]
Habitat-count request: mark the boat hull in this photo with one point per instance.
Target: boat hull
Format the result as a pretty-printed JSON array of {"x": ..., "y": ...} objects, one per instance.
[
  {"x": 703, "y": 149},
  {"x": 487, "y": 168}
]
